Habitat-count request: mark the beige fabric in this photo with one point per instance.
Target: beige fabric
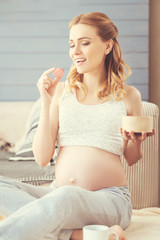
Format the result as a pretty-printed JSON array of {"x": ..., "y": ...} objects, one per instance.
[
  {"x": 144, "y": 225},
  {"x": 13, "y": 116},
  {"x": 143, "y": 176}
]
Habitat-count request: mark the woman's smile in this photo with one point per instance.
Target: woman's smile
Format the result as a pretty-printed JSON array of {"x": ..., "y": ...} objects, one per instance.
[{"x": 80, "y": 61}]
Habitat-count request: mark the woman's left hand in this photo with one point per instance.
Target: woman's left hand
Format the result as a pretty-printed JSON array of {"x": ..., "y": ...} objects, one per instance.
[{"x": 136, "y": 136}]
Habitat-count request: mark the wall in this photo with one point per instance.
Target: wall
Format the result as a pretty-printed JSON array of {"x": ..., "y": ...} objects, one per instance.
[
  {"x": 34, "y": 37},
  {"x": 154, "y": 61},
  {"x": 154, "y": 47}
]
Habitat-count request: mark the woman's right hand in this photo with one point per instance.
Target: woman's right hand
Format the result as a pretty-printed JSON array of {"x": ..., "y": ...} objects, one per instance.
[{"x": 46, "y": 85}]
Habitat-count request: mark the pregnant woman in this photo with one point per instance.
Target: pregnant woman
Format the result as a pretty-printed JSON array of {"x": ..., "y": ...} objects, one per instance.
[{"x": 83, "y": 117}]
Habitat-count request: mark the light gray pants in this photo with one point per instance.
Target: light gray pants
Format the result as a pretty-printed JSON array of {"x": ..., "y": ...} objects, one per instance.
[{"x": 41, "y": 213}]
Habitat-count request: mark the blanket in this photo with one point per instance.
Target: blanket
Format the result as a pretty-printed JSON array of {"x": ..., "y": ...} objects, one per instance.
[{"x": 144, "y": 225}]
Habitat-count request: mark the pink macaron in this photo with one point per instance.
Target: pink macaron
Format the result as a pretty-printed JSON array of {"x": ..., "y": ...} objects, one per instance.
[{"x": 58, "y": 72}]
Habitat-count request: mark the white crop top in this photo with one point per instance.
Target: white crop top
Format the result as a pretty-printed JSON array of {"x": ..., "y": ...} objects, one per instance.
[{"x": 90, "y": 125}]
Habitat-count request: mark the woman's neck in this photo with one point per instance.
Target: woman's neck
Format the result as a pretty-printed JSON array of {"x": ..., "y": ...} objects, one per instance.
[{"x": 93, "y": 81}]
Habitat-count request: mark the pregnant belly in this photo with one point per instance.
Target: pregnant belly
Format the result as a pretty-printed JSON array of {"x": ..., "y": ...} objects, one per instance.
[{"x": 88, "y": 167}]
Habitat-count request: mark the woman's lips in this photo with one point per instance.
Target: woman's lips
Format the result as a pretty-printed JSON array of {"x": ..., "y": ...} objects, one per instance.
[{"x": 80, "y": 61}]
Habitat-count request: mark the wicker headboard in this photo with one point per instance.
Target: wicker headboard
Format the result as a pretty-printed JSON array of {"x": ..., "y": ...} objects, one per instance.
[{"x": 143, "y": 177}]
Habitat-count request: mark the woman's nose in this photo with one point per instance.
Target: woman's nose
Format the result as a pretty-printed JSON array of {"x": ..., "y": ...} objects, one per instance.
[{"x": 77, "y": 50}]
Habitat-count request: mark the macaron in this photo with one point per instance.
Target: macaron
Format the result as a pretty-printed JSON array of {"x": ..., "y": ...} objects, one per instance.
[{"x": 58, "y": 72}]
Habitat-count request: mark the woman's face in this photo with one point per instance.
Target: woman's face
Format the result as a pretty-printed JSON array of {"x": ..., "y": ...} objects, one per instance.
[{"x": 87, "y": 50}]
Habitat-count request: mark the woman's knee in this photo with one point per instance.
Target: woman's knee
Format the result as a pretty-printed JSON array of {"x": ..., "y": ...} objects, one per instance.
[
  {"x": 70, "y": 193},
  {"x": 125, "y": 220}
]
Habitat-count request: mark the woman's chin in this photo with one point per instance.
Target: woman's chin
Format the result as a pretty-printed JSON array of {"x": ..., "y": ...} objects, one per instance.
[{"x": 81, "y": 71}]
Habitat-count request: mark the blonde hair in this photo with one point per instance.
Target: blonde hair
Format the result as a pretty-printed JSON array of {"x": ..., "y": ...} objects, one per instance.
[{"x": 117, "y": 70}]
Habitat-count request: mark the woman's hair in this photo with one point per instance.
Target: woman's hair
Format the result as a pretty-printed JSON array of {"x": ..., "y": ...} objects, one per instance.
[{"x": 116, "y": 69}]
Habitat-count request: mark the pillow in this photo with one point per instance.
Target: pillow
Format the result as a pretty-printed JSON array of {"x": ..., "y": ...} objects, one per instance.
[{"x": 25, "y": 151}]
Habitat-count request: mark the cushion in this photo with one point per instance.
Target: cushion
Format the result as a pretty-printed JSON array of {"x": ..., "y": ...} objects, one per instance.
[
  {"x": 28, "y": 171},
  {"x": 13, "y": 117},
  {"x": 25, "y": 151}
]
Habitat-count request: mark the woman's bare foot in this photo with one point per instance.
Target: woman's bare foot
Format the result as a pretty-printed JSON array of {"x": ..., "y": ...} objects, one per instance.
[
  {"x": 2, "y": 218},
  {"x": 78, "y": 234},
  {"x": 119, "y": 231}
]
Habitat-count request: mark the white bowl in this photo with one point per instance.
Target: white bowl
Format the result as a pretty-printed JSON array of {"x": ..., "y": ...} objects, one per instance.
[{"x": 137, "y": 124}]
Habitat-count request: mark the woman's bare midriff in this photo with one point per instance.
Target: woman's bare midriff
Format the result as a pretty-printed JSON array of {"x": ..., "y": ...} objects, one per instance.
[{"x": 88, "y": 167}]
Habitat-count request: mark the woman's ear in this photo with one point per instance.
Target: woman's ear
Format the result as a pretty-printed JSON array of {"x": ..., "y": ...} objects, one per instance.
[{"x": 109, "y": 46}]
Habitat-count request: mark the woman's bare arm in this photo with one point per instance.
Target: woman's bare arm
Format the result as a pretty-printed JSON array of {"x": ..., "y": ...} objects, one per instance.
[
  {"x": 132, "y": 143},
  {"x": 45, "y": 137}
]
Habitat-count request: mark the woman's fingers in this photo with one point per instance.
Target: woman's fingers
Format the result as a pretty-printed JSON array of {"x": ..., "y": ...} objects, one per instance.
[
  {"x": 136, "y": 136},
  {"x": 133, "y": 137},
  {"x": 48, "y": 71},
  {"x": 45, "y": 82},
  {"x": 152, "y": 133},
  {"x": 48, "y": 81},
  {"x": 143, "y": 136},
  {"x": 46, "y": 85},
  {"x": 125, "y": 134}
]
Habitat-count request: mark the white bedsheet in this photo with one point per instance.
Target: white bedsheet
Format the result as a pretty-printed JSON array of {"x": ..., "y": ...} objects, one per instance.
[{"x": 145, "y": 225}]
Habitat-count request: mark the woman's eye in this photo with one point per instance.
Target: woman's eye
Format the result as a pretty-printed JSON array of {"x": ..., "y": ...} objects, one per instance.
[
  {"x": 71, "y": 46},
  {"x": 85, "y": 43}
]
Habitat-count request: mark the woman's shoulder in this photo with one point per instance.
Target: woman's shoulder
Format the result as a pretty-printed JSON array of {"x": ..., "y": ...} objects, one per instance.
[
  {"x": 132, "y": 100},
  {"x": 132, "y": 92}
]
